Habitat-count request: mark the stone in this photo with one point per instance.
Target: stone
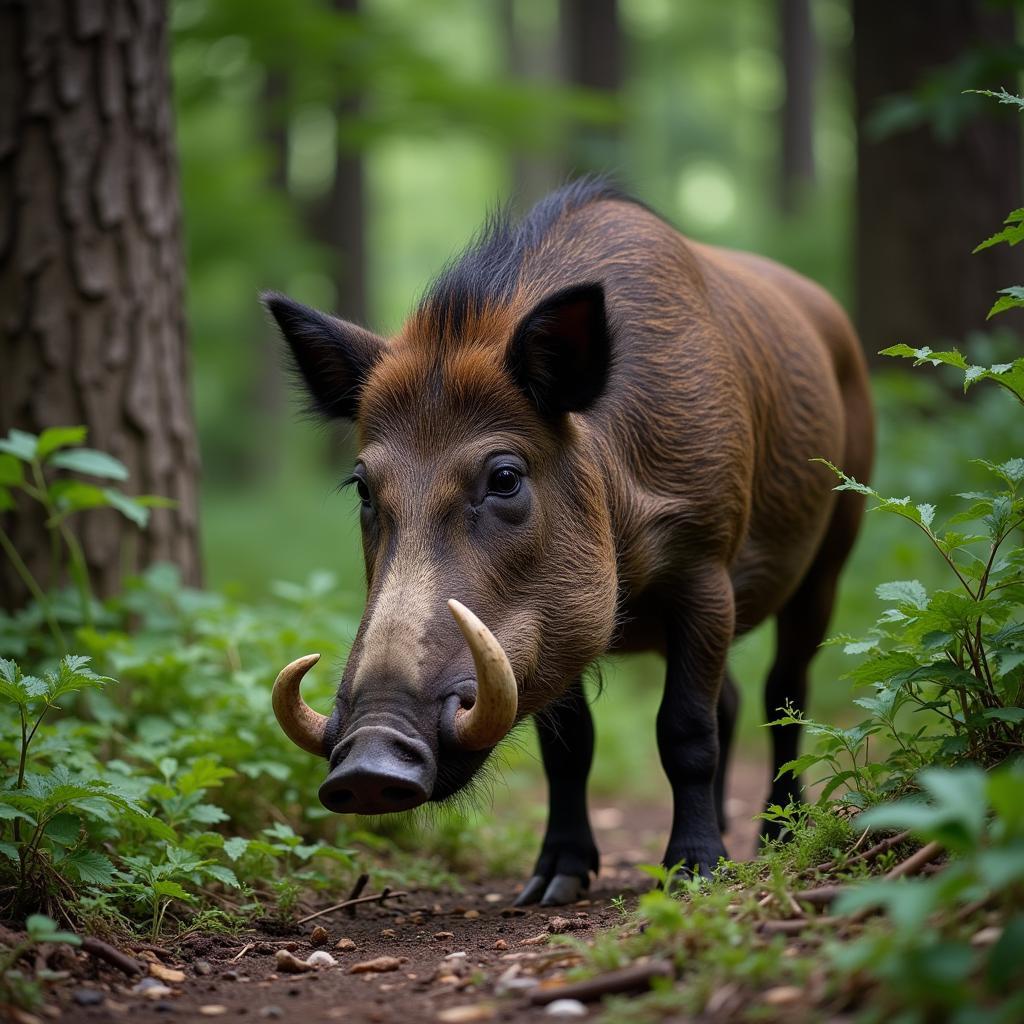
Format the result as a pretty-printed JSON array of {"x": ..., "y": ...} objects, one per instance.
[
  {"x": 87, "y": 996},
  {"x": 318, "y": 936},
  {"x": 321, "y": 958},
  {"x": 566, "y": 1008},
  {"x": 345, "y": 944}
]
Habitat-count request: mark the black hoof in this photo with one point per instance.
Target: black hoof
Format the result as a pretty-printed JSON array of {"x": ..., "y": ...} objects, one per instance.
[{"x": 554, "y": 891}]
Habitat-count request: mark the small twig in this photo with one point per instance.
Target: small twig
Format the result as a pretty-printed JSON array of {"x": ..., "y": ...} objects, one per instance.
[
  {"x": 164, "y": 954},
  {"x": 820, "y": 897},
  {"x": 870, "y": 853},
  {"x": 916, "y": 861},
  {"x": 103, "y": 951},
  {"x": 245, "y": 949},
  {"x": 911, "y": 866},
  {"x": 628, "y": 979},
  {"x": 357, "y": 891},
  {"x": 387, "y": 894},
  {"x": 793, "y": 926},
  {"x": 794, "y": 906}
]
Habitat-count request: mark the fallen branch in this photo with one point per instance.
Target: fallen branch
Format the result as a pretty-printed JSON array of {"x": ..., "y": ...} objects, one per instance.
[
  {"x": 870, "y": 853},
  {"x": 380, "y": 897},
  {"x": 637, "y": 978},
  {"x": 911, "y": 866},
  {"x": 245, "y": 949},
  {"x": 793, "y": 926},
  {"x": 916, "y": 861},
  {"x": 823, "y": 896},
  {"x": 103, "y": 951}
]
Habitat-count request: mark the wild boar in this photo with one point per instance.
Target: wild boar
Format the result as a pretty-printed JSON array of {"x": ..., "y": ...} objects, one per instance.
[{"x": 592, "y": 435}]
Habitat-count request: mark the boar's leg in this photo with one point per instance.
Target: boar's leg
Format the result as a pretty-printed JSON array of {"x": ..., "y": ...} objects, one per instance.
[
  {"x": 728, "y": 712},
  {"x": 569, "y": 853},
  {"x": 699, "y": 629}
]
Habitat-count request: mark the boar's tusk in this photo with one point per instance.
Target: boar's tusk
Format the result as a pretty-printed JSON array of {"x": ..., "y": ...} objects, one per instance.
[
  {"x": 497, "y": 697},
  {"x": 301, "y": 724}
]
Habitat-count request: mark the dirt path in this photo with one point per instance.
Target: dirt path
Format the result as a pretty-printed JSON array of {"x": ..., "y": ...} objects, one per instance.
[{"x": 449, "y": 952}]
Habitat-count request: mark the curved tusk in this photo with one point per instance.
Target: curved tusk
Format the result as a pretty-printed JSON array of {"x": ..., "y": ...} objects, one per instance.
[
  {"x": 497, "y": 696},
  {"x": 301, "y": 724}
]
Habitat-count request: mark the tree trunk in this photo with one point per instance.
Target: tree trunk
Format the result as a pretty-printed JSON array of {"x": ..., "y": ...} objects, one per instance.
[
  {"x": 924, "y": 204},
  {"x": 338, "y": 220},
  {"x": 92, "y": 324},
  {"x": 532, "y": 54},
  {"x": 592, "y": 55},
  {"x": 799, "y": 60}
]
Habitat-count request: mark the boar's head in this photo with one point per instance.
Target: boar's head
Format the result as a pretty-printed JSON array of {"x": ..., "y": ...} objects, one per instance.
[{"x": 487, "y": 536}]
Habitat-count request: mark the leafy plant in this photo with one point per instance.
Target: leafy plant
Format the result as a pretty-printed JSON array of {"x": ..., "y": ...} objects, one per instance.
[
  {"x": 931, "y": 957},
  {"x": 37, "y": 467},
  {"x": 15, "y": 988}
]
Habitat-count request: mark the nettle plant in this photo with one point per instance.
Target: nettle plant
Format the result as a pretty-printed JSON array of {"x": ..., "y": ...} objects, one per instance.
[
  {"x": 955, "y": 655},
  {"x": 46, "y": 470}
]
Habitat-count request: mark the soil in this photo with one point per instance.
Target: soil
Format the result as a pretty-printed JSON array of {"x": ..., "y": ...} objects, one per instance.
[{"x": 454, "y": 957}]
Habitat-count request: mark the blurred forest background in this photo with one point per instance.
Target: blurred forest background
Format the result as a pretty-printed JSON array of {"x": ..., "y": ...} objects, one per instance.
[{"x": 342, "y": 150}]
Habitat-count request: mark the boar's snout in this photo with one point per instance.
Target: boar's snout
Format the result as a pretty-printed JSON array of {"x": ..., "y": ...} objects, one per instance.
[{"x": 378, "y": 770}]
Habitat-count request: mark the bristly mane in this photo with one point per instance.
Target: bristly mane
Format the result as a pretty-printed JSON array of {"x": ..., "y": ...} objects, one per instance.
[{"x": 485, "y": 274}]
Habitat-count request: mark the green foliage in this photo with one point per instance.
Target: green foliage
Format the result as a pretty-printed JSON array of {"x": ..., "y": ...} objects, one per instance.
[
  {"x": 924, "y": 959},
  {"x": 16, "y": 989},
  {"x": 36, "y": 468}
]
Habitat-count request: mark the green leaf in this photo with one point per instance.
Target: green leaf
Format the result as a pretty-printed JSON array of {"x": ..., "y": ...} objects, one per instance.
[
  {"x": 20, "y": 444},
  {"x": 128, "y": 507},
  {"x": 58, "y": 437},
  {"x": 75, "y": 495},
  {"x": 172, "y": 890},
  {"x": 91, "y": 867},
  {"x": 1004, "y": 714},
  {"x": 64, "y": 829},
  {"x": 90, "y": 462},
  {"x": 1006, "y": 956},
  {"x": 1012, "y": 298},
  {"x": 10, "y": 851},
  {"x": 910, "y": 592},
  {"x": 44, "y": 929},
  {"x": 235, "y": 847},
  {"x": 223, "y": 874},
  {"x": 11, "y": 473},
  {"x": 9, "y": 813}
]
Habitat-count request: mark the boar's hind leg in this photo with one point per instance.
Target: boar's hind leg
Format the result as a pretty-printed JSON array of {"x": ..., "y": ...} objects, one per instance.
[
  {"x": 801, "y": 626},
  {"x": 699, "y": 629},
  {"x": 728, "y": 712},
  {"x": 569, "y": 854}
]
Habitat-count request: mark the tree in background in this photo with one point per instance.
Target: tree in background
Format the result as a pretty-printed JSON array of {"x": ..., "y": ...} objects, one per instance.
[
  {"x": 798, "y": 53},
  {"x": 937, "y": 171},
  {"x": 92, "y": 328},
  {"x": 592, "y": 58}
]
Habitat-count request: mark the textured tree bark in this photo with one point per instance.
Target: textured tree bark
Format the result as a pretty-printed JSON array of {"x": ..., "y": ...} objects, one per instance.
[
  {"x": 798, "y": 51},
  {"x": 92, "y": 324},
  {"x": 923, "y": 205}
]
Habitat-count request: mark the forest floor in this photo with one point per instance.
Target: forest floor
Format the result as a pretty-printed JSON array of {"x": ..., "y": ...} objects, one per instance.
[{"x": 430, "y": 956}]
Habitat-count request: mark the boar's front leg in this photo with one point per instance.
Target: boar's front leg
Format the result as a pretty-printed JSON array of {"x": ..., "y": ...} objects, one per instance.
[
  {"x": 699, "y": 629},
  {"x": 569, "y": 853}
]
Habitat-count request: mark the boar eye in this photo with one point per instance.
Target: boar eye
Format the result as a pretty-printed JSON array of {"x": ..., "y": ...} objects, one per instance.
[
  {"x": 504, "y": 480},
  {"x": 362, "y": 490}
]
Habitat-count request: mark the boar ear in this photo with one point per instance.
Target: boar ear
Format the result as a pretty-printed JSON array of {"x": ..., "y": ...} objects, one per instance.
[
  {"x": 333, "y": 358},
  {"x": 561, "y": 350}
]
